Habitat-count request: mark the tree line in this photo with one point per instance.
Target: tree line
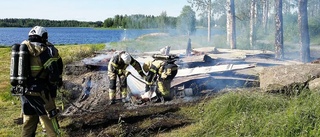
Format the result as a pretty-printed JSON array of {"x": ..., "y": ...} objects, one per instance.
[
  {"x": 12, "y": 22},
  {"x": 186, "y": 22},
  {"x": 140, "y": 21}
]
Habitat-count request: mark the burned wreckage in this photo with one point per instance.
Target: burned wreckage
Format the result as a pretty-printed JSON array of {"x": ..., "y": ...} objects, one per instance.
[{"x": 198, "y": 73}]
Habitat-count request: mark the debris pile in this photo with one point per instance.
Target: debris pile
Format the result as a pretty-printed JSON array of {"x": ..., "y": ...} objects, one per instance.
[
  {"x": 205, "y": 72},
  {"x": 201, "y": 72}
]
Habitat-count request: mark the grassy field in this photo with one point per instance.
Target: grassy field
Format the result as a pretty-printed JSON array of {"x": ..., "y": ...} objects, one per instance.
[{"x": 234, "y": 113}]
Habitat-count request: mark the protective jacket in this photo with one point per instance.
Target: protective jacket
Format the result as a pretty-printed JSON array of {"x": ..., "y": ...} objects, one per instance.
[
  {"x": 162, "y": 70},
  {"x": 117, "y": 65},
  {"x": 162, "y": 73},
  {"x": 45, "y": 67},
  {"x": 117, "y": 68}
]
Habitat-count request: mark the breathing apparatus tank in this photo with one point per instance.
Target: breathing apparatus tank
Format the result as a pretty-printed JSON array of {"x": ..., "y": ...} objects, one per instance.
[
  {"x": 170, "y": 57},
  {"x": 14, "y": 64},
  {"x": 23, "y": 66}
]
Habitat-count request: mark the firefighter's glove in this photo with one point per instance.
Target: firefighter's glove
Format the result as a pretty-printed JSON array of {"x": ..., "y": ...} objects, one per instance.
[
  {"x": 126, "y": 73},
  {"x": 144, "y": 77},
  {"x": 120, "y": 71},
  {"x": 149, "y": 83},
  {"x": 163, "y": 75}
]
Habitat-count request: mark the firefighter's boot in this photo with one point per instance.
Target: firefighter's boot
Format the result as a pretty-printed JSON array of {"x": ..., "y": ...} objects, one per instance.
[
  {"x": 124, "y": 93},
  {"x": 112, "y": 96}
]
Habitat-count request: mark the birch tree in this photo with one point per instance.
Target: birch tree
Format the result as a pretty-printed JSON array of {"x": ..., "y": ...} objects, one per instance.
[
  {"x": 304, "y": 31},
  {"x": 265, "y": 13},
  {"x": 231, "y": 24},
  {"x": 252, "y": 23},
  {"x": 279, "y": 53}
]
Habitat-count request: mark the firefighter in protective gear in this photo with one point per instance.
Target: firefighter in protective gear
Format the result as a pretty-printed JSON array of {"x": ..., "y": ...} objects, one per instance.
[
  {"x": 44, "y": 77},
  {"x": 160, "y": 72},
  {"x": 117, "y": 68}
]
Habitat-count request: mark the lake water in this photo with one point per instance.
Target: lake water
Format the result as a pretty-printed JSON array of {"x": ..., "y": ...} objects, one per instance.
[{"x": 9, "y": 36}]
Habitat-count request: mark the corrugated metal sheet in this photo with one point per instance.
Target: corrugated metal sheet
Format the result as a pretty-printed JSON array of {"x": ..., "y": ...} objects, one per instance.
[{"x": 211, "y": 69}]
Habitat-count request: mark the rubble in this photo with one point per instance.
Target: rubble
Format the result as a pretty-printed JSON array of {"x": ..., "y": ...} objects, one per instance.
[{"x": 207, "y": 71}]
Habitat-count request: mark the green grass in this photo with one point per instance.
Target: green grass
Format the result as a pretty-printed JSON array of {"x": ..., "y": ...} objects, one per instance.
[
  {"x": 5, "y": 55},
  {"x": 252, "y": 113},
  {"x": 240, "y": 114},
  {"x": 72, "y": 53}
]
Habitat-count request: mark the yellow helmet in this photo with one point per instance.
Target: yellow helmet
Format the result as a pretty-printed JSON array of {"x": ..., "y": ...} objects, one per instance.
[{"x": 146, "y": 66}]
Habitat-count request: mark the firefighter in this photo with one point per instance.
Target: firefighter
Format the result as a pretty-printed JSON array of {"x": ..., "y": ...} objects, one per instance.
[
  {"x": 117, "y": 68},
  {"x": 43, "y": 75},
  {"x": 161, "y": 73}
]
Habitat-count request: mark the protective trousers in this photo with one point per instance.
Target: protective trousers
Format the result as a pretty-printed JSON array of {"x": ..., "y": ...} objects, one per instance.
[
  {"x": 30, "y": 125},
  {"x": 164, "y": 88},
  {"x": 36, "y": 105},
  {"x": 113, "y": 85}
]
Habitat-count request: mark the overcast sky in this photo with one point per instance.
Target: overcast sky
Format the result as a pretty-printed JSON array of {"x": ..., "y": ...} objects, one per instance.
[{"x": 87, "y": 10}]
